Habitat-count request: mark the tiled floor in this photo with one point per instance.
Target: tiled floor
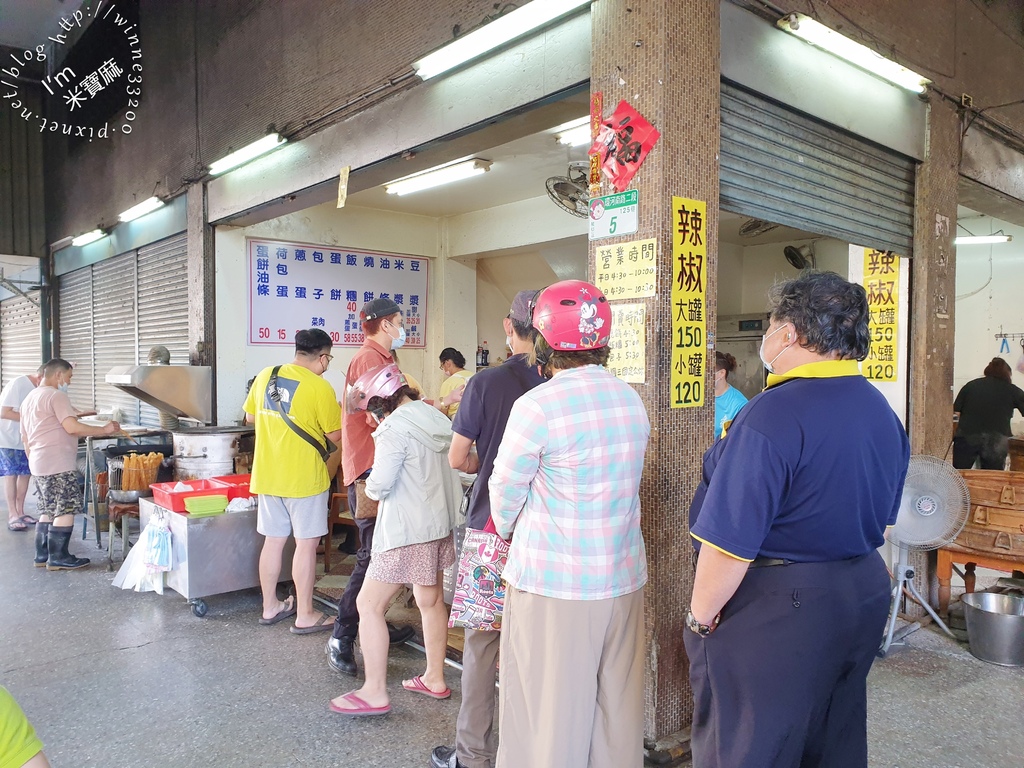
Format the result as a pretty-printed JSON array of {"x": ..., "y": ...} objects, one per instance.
[{"x": 127, "y": 679}]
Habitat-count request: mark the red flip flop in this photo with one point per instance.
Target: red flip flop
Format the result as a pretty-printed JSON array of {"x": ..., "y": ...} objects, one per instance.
[
  {"x": 362, "y": 709},
  {"x": 416, "y": 686}
]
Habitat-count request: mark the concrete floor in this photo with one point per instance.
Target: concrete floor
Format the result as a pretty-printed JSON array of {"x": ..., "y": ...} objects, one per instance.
[{"x": 128, "y": 679}]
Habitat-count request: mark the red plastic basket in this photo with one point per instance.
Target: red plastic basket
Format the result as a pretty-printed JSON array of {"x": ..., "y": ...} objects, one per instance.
[
  {"x": 237, "y": 485},
  {"x": 166, "y": 497}
]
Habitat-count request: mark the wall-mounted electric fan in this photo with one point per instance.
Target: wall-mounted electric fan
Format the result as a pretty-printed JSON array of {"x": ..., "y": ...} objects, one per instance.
[
  {"x": 933, "y": 511},
  {"x": 570, "y": 192}
]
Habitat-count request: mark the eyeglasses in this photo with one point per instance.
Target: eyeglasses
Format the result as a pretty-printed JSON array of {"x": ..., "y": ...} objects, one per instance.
[{"x": 329, "y": 358}]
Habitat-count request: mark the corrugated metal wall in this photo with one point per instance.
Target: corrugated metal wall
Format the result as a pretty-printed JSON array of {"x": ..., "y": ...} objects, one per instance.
[
  {"x": 20, "y": 344},
  {"x": 113, "y": 312},
  {"x": 115, "y": 335},
  {"x": 75, "y": 312},
  {"x": 781, "y": 166},
  {"x": 163, "y": 306}
]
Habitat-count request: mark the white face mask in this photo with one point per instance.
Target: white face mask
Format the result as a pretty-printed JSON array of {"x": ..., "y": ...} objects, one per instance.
[
  {"x": 508, "y": 343},
  {"x": 769, "y": 364},
  {"x": 63, "y": 387},
  {"x": 400, "y": 341}
]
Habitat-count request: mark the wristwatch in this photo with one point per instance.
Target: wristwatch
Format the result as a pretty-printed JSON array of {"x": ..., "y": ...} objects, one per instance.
[{"x": 701, "y": 629}]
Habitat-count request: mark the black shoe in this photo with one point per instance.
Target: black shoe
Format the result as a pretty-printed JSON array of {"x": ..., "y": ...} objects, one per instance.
[
  {"x": 444, "y": 757},
  {"x": 42, "y": 552},
  {"x": 341, "y": 655},
  {"x": 399, "y": 635},
  {"x": 59, "y": 559}
]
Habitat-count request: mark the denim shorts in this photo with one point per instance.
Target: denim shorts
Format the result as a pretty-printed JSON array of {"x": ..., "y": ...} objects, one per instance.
[{"x": 13, "y": 461}]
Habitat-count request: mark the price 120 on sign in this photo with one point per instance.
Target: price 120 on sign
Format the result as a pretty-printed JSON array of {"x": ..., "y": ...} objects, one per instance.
[{"x": 689, "y": 302}]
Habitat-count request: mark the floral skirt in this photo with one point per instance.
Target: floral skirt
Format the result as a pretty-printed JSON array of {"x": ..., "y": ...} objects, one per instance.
[{"x": 412, "y": 564}]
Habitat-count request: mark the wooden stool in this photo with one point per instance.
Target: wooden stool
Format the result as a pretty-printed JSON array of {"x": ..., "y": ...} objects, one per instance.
[
  {"x": 124, "y": 512},
  {"x": 339, "y": 513}
]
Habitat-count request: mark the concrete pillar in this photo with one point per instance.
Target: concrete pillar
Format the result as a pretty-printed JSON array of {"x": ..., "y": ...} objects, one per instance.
[
  {"x": 662, "y": 56},
  {"x": 933, "y": 274},
  {"x": 201, "y": 297}
]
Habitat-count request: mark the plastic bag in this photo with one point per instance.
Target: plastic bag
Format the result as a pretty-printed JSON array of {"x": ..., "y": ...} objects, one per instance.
[
  {"x": 479, "y": 599},
  {"x": 156, "y": 543}
]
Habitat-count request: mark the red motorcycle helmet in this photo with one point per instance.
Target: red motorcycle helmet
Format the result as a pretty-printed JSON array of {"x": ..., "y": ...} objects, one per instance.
[
  {"x": 572, "y": 315},
  {"x": 382, "y": 381}
]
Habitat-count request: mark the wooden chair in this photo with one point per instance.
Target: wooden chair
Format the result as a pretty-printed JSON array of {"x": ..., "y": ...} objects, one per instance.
[{"x": 337, "y": 512}]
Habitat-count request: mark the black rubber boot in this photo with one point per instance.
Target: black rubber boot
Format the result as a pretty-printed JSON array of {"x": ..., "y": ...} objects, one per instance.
[
  {"x": 341, "y": 655},
  {"x": 57, "y": 545},
  {"x": 42, "y": 554}
]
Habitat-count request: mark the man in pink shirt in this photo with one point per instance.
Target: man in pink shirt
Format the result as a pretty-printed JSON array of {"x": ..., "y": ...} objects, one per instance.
[{"x": 50, "y": 430}]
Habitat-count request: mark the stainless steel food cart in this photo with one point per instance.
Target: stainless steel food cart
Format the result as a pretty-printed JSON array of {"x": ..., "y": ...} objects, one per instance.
[{"x": 213, "y": 555}]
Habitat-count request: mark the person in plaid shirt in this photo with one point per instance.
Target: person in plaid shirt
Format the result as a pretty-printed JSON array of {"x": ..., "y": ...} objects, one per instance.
[{"x": 566, "y": 483}]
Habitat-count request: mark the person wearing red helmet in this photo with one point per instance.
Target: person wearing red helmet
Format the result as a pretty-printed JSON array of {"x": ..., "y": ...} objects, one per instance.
[
  {"x": 566, "y": 483},
  {"x": 419, "y": 497}
]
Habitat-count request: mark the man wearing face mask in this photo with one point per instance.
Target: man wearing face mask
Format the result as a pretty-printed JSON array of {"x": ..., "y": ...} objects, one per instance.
[
  {"x": 790, "y": 595},
  {"x": 50, "y": 430},
  {"x": 383, "y": 331},
  {"x": 290, "y": 475}
]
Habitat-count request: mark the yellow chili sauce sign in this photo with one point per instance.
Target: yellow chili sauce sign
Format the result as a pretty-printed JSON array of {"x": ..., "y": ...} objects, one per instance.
[
  {"x": 689, "y": 303},
  {"x": 882, "y": 284}
]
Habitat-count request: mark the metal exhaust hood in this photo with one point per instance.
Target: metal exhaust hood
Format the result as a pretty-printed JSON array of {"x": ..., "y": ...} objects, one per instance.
[{"x": 182, "y": 390}]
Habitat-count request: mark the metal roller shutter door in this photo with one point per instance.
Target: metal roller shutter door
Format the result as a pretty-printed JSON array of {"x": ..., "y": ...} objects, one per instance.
[
  {"x": 163, "y": 306},
  {"x": 20, "y": 340},
  {"x": 787, "y": 168},
  {"x": 115, "y": 327},
  {"x": 76, "y": 338}
]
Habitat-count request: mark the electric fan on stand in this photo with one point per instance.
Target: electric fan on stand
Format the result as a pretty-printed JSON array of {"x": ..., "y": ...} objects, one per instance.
[{"x": 933, "y": 511}]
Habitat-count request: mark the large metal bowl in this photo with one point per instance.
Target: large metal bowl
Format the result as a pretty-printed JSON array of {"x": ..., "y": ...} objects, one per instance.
[
  {"x": 128, "y": 497},
  {"x": 995, "y": 627}
]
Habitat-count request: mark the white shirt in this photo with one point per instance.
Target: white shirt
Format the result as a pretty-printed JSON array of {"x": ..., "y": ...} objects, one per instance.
[{"x": 12, "y": 396}]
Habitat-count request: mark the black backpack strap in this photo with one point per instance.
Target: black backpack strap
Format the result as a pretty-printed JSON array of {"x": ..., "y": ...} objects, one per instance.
[{"x": 275, "y": 397}]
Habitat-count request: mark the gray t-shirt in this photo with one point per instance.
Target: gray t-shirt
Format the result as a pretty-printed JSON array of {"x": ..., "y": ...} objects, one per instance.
[{"x": 482, "y": 416}]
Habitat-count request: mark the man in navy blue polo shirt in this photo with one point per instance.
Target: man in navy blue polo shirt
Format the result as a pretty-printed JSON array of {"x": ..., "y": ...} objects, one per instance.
[
  {"x": 790, "y": 596},
  {"x": 481, "y": 418}
]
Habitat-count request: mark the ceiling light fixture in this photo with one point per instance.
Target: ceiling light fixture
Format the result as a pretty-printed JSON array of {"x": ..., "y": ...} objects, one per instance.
[
  {"x": 574, "y": 134},
  {"x": 819, "y": 35},
  {"x": 268, "y": 143},
  {"x": 982, "y": 239},
  {"x": 89, "y": 237},
  {"x": 496, "y": 33},
  {"x": 435, "y": 177},
  {"x": 146, "y": 206}
]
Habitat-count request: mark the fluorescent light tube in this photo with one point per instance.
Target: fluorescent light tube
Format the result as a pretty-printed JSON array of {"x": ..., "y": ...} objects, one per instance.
[
  {"x": 89, "y": 237},
  {"x": 146, "y": 206},
  {"x": 435, "y": 177},
  {"x": 494, "y": 34},
  {"x": 576, "y": 137},
  {"x": 267, "y": 144},
  {"x": 982, "y": 239},
  {"x": 839, "y": 45}
]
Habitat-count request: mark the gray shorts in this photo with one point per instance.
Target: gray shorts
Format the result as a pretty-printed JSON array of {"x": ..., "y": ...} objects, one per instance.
[
  {"x": 280, "y": 516},
  {"x": 59, "y": 494}
]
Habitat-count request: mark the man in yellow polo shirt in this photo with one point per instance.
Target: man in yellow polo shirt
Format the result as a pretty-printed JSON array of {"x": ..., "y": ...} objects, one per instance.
[{"x": 290, "y": 475}]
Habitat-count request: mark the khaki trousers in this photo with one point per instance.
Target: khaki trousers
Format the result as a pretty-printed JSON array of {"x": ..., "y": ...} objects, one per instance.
[
  {"x": 475, "y": 741},
  {"x": 572, "y": 682}
]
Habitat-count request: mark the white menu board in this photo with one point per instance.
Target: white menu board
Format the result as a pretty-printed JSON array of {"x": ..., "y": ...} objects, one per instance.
[{"x": 293, "y": 286}]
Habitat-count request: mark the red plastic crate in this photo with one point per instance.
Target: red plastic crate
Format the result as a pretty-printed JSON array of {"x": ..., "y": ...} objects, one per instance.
[
  {"x": 175, "y": 500},
  {"x": 237, "y": 485}
]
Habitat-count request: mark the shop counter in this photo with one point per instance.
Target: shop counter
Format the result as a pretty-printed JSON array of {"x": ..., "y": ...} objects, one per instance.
[{"x": 213, "y": 555}]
